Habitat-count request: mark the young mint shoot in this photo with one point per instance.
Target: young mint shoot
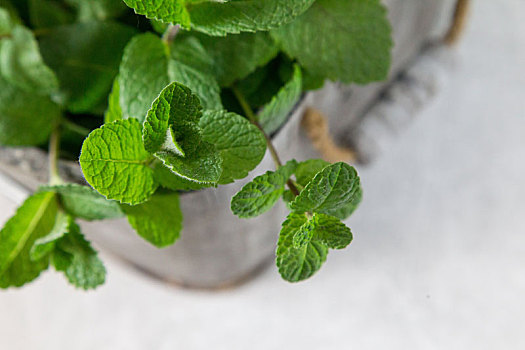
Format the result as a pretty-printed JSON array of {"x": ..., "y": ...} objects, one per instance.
[{"x": 158, "y": 98}]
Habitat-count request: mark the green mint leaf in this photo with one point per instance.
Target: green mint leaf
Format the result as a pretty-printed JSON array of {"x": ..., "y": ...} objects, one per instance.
[
  {"x": 261, "y": 194},
  {"x": 114, "y": 112},
  {"x": 45, "y": 245},
  {"x": 330, "y": 231},
  {"x": 35, "y": 218},
  {"x": 84, "y": 202},
  {"x": 167, "y": 179},
  {"x": 240, "y": 143},
  {"x": 201, "y": 162},
  {"x": 147, "y": 68},
  {"x": 99, "y": 10},
  {"x": 274, "y": 114},
  {"x": 163, "y": 10},
  {"x": 222, "y": 17},
  {"x": 89, "y": 53},
  {"x": 19, "y": 125},
  {"x": 345, "y": 211},
  {"x": 22, "y": 65},
  {"x": 204, "y": 85},
  {"x": 115, "y": 163},
  {"x": 347, "y": 40},
  {"x": 236, "y": 56},
  {"x": 159, "y": 220},
  {"x": 175, "y": 107},
  {"x": 330, "y": 190},
  {"x": 299, "y": 261},
  {"x": 171, "y": 131},
  {"x": 49, "y": 13},
  {"x": 306, "y": 171},
  {"x": 79, "y": 262}
]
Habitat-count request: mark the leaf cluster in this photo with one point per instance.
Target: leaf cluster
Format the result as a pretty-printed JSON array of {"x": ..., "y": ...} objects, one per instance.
[{"x": 161, "y": 97}]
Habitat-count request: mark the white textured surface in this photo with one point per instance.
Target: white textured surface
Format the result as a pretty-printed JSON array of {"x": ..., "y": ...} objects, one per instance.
[{"x": 438, "y": 261}]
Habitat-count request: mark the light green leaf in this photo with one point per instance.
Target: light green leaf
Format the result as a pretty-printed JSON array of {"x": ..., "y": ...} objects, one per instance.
[
  {"x": 201, "y": 162},
  {"x": 34, "y": 219},
  {"x": 84, "y": 202},
  {"x": 114, "y": 112},
  {"x": 262, "y": 193},
  {"x": 236, "y": 56},
  {"x": 163, "y": 10},
  {"x": 159, "y": 220},
  {"x": 330, "y": 190},
  {"x": 80, "y": 263},
  {"x": 171, "y": 131},
  {"x": 175, "y": 107},
  {"x": 45, "y": 245},
  {"x": 345, "y": 211},
  {"x": 89, "y": 53},
  {"x": 147, "y": 68},
  {"x": 275, "y": 113},
  {"x": 19, "y": 125},
  {"x": 222, "y": 17},
  {"x": 347, "y": 40},
  {"x": 307, "y": 170},
  {"x": 22, "y": 65},
  {"x": 330, "y": 231},
  {"x": 115, "y": 163},
  {"x": 167, "y": 179},
  {"x": 240, "y": 143},
  {"x": 298, "y": 263}
]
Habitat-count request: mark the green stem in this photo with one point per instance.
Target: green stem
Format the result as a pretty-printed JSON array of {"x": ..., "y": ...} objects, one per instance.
[
  {"x": 54, "y": 153},
  {"x": 68, "y": 124},
  {"x": 253, "y": 119}
]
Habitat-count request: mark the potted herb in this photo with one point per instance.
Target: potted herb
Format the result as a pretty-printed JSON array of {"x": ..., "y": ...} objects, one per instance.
[{"x": 169, "y": 107}]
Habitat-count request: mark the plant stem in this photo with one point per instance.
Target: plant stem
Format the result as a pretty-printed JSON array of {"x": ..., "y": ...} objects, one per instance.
[
  {"x": 253, "y": 119},
  {"x": 68, "y": 124},
  {"x": 54, "y": 153},
  {"x": 170, "y": 33}
]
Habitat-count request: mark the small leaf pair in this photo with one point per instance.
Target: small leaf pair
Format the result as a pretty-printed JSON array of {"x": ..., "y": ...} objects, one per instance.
[{"x": 330, "y": 193}]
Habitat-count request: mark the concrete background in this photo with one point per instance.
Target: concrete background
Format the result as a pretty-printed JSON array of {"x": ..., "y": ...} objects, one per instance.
[{"x": 438, "y": 260}]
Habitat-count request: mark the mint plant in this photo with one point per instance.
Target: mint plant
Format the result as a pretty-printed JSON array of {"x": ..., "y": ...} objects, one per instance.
[{"x": 158, "y": 98}]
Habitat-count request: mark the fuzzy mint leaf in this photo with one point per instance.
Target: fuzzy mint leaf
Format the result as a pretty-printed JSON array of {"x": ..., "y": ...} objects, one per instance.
[
  {"x": 34, "y": 219},
  {"x": 347, "y": 40},
  {"x": 84, "y": 202},
  {"x": 219, "y": 17},
  {"x": 330, "y": 190},
  {"x": 8, "y": 19},
  {"x": 79, "y": 262},
  {"x": 21, "y": 63},
  {"x": 115, "y": 163},
  {"x": 19, "y": 125},
  {"x": 147, "y": 67},
  {"x": 330, "y": 231},
  {"x": 89, "y": 53},
  {"x": 274, "y": 114},
  {"x": 159, "y": 220},
  {"x": 260, "y": 195},
  {"x": 172, "y": 133},
  {"x": 167, "y": 179},
  {"x": 297, "y": 262},
  {"x": 240, "y": 143}
]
